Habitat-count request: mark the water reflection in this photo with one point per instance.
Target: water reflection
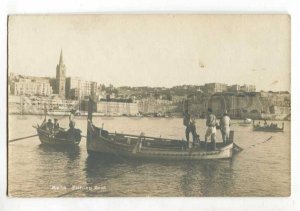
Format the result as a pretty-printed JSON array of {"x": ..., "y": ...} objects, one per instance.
[
  {"x": 206, "y": 178},
  {"x": 197, "y": 178},
  {"x": 71, "y": 152}
]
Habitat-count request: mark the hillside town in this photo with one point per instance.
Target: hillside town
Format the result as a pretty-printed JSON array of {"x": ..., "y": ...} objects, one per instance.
[{"x": 30, "y": 94}]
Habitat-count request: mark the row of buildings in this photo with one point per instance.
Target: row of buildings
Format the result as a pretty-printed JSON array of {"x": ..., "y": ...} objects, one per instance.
[
  {"x": 72, "y": 88},
  {"x": 212, "y": 88},
  {"x": 75, "y": 88}
]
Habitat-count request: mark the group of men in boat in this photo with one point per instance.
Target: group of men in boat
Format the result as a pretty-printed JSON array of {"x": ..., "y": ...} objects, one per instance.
[
  {"x": 212, "y": 124},
  {"x": 266, "y": 125},
  {"x": 54, "y": 128}
]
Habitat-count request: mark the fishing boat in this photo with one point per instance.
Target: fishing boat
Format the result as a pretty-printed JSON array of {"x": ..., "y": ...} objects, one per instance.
[
  {"x": 268, "y": 128},
  {"x": 103, "y": 142},
  {"x": 61, "y": 138}
]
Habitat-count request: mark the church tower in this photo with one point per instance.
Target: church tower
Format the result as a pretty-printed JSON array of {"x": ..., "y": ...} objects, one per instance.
[{"x": 61, "y": 77}]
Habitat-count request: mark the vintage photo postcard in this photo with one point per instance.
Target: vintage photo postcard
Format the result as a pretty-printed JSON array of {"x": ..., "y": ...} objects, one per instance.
[{"x": 160, "y": 105}]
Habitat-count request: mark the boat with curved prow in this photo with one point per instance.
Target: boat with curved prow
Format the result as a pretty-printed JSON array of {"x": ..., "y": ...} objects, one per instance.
[
  {"x": 102, "y": 142},
  {"x": 61, "y": 137}
]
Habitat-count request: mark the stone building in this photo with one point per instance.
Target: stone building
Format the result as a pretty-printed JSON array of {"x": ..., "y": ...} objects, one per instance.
[{"x": 61, "y": 78}]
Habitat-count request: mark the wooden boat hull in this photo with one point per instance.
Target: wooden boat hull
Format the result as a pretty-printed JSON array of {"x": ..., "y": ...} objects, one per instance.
[
  {"x": 47, "y": 138},
  {"x": 141, "y": 147},
  {"x": 101, "y": 142},
  {"x": 262, "y": 129},
  {"x": 267, "y": 128}
]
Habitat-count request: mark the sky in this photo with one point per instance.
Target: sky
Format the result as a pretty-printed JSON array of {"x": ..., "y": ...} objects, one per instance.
[{"x": 155, "y": 50}]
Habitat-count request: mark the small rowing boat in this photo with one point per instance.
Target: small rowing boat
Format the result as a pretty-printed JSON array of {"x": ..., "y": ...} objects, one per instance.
[
  {"x": 247, "y": 122},
  {"x": 268, "y": 128},
  {"x": 61, "y": 138}
]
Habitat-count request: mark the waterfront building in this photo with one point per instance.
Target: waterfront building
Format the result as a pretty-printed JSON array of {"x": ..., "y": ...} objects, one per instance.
[
  {"x": 36, "y": 105},
  {"x": 248, "y": 88},
  {"x": 116, "y": 107},
  {"x": 234, "y": 88},
  {"x": 77, "y": 88},
  {"x": 27, "y": 86},
  {"x": 72, "y": 87},
  {"x": 211, "y": 88}
]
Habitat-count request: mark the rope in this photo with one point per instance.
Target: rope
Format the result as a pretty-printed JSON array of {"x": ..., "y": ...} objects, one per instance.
[{"x": 253, "y": 145}]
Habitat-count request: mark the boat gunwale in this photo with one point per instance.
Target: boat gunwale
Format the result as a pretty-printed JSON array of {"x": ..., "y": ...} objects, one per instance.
[{"x": 160, "y": 150}]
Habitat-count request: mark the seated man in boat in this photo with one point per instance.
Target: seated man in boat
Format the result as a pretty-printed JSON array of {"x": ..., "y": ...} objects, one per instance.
[
  {"x": 56, "y": 126},
  {"x": 211, "y": 128},
  {"x": 49, "y": 126},
  {"x": 225, "y": 126}
]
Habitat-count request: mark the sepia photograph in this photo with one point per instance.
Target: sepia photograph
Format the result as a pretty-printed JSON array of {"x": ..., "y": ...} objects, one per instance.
[{"x": 140, "y": 105}]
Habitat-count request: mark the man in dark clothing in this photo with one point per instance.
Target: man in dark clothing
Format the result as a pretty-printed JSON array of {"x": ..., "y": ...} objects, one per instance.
[
  {"x": 50, "y": 125},
  {"x": 190, "y": 127},
  {"x": 56, "y": 126}
]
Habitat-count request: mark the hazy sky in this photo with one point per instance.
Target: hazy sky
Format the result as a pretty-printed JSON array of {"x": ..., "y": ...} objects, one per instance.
[{"x": 155, "y": 50}]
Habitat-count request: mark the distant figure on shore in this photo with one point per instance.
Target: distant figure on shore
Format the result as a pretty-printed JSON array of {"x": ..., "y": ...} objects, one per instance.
[
  {"x": 72, "y": 119},
  {"x": 190, "y": 126},
  {"x": 225, "y": 127},
  {"x": 211, "y": 128}
]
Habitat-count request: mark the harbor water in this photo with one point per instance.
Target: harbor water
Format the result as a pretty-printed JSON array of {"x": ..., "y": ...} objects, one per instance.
[{"x": 261, "y": 169}]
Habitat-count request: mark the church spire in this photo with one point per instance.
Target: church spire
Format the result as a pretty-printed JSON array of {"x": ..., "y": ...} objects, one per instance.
[{"x": 61, "y": 61}]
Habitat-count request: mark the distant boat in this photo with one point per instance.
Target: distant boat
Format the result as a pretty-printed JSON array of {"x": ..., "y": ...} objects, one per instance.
[
  {"x": 268, "y": 128},
  {"x": 247, "y": 122}
]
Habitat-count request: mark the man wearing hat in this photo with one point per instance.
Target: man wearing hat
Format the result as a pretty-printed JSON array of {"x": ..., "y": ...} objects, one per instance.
[
  {"x": 211, "y": 128},
  {"x": 225, "y": 126}
]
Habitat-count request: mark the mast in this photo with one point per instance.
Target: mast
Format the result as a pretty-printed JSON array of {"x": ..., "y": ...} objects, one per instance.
[
  {"x": 90, "y": 109},
  {"x": 89, "y": 132}
]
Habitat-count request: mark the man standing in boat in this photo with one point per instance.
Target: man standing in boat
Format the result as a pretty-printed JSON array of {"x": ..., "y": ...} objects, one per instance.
[
  {"x": 72, "y": 119},
  {"x": 211, "y": 128},
  {"x": 190, "y": 127},
  {"x": 225, "y": 126}
]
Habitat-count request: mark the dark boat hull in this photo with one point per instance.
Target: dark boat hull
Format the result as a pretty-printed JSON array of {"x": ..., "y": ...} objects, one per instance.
[
  {"x": 47, "y": 138},
  {"x": 263, "y": 129}
]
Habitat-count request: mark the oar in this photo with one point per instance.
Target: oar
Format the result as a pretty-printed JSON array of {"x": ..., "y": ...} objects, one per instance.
[{"x": 18, "y": 139}]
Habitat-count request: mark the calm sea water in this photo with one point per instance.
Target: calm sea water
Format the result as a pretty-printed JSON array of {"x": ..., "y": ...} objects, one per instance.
[{"x": 261, "y": 169}]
